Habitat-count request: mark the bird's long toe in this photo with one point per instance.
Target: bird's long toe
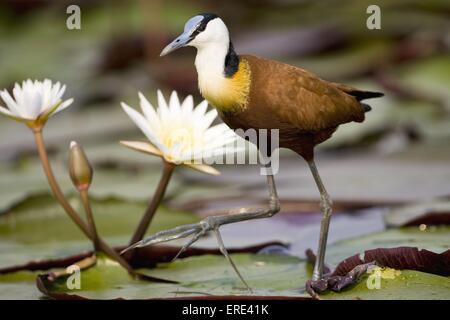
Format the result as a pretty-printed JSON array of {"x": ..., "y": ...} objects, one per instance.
[
  {"x": 169, "y": 235},
  {"x": 335, "y": 282}
]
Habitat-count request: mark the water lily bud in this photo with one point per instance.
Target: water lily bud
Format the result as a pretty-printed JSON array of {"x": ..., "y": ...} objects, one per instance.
[{"x": 79, "y": 167}]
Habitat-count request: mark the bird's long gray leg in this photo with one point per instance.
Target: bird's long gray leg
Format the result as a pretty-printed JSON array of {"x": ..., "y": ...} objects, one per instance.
[
  {"x": 213, "y": 223},
  {"x": 243, "y": 214},
  {"x": 325, "y": 206},
  {"x": 224, "y": 251}
]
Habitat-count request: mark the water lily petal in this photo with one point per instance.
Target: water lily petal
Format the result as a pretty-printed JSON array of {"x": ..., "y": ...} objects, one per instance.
[
  {"x": 220, "y": 143},
  {"x": 203, "y": 168},
  {"x": 18, "y": 94},
  {"x": 142, "y": 124},
  {"x": 64, "y": 105},
  {"x": 60, "y": 92},
  {"x": 149, "y": 112},
  {"x": 217, "y": 131},
  {"x": 174, "y": 103},
  {"x": 209, "y": 117},
  {"x": 55, "y": 89},
  {"x": 163, "y": 109},
  {"x": 32, "y": 104},
  {"x": 45, "y": 89},
  {"x": 6, "y": 112},
  {"x": 188, "y": 104},
  {"x": 200, "y": 109},
  {"x": 141, "y": 146},
  {"x": 10, "y": 103}
]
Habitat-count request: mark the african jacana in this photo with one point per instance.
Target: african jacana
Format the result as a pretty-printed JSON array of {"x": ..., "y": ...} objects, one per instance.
[{"x": 252, "y": 92}]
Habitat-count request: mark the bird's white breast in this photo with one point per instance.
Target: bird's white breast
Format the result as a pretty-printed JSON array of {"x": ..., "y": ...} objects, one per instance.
[{"x": 210, "y": 62}]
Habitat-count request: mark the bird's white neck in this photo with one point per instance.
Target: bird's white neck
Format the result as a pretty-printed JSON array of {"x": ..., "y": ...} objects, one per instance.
[{"x": 210, "y": 64}]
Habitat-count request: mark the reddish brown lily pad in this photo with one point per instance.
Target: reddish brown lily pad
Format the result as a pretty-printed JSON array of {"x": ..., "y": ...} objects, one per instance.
[
  {"x": 146, "y": 257},
  {"x": 352, "y": 268},
  {"x": 410, "y": 258}
]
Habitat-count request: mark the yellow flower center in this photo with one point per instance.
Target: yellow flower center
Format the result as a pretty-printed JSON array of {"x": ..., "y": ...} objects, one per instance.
[{"x": 180, "y": 141}]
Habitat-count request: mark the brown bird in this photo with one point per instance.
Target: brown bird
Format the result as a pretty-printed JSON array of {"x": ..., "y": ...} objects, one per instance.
[{"x": 255, "y": 93}]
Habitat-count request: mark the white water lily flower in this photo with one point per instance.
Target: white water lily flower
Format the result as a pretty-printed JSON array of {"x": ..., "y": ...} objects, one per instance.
[
  {"x": 180, "y": 133},
  {"x": 34, "y": 102}
]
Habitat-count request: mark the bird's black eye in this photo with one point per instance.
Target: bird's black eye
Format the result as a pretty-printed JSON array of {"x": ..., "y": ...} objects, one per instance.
[{"x": 201, "y": 27}]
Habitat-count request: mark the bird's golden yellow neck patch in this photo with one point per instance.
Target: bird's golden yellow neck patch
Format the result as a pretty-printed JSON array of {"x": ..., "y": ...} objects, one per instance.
[{"x": 227, "y": 94}]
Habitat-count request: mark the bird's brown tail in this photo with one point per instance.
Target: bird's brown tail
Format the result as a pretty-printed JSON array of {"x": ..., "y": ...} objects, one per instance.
[
  {"x": 358, "y": 94},
  {"x": 362, "y": 95}
]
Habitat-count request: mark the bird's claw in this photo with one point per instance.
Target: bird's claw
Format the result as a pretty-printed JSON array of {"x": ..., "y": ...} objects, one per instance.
[
  {"x": 196, "y": 229},
  {"x": 204, "y": 228},
  {"x": 336, "y": 283}
]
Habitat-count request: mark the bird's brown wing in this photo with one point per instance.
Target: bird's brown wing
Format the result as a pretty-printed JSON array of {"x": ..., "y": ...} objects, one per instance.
[{"x": 299, "y": 98}]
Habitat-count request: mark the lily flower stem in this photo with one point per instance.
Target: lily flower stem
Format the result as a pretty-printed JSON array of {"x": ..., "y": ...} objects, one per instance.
[
  {"x": 84, "y": 195},
  {"x": 59, "y": 195},
  {"x": 147, "y": 218}
]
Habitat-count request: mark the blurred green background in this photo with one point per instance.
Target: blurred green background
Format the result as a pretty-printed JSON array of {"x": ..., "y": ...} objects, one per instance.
[{"x": 116, "y": 53}]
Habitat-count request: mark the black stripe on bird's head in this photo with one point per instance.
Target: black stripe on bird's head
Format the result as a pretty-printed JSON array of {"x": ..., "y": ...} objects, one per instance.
[
  {"x": 201, "y": 26},
  {"x": 194, "y": 27}
]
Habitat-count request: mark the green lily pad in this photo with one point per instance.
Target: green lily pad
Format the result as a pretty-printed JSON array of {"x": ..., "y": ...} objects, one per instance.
[
  {"x": 268, "y": 275},
  {"x": 434, "y": 212},
  {"x": 38, "y": 228},
  {"x": 408, "y": 285},
  {"x": 204, "y": 275},
  {"x": 19, "y": 285}
]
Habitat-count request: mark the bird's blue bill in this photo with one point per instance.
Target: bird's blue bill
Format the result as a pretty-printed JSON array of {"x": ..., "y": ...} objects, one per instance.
[
  {"x": 179, "y": 42},
  {"x": 185, "y": 37}
]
